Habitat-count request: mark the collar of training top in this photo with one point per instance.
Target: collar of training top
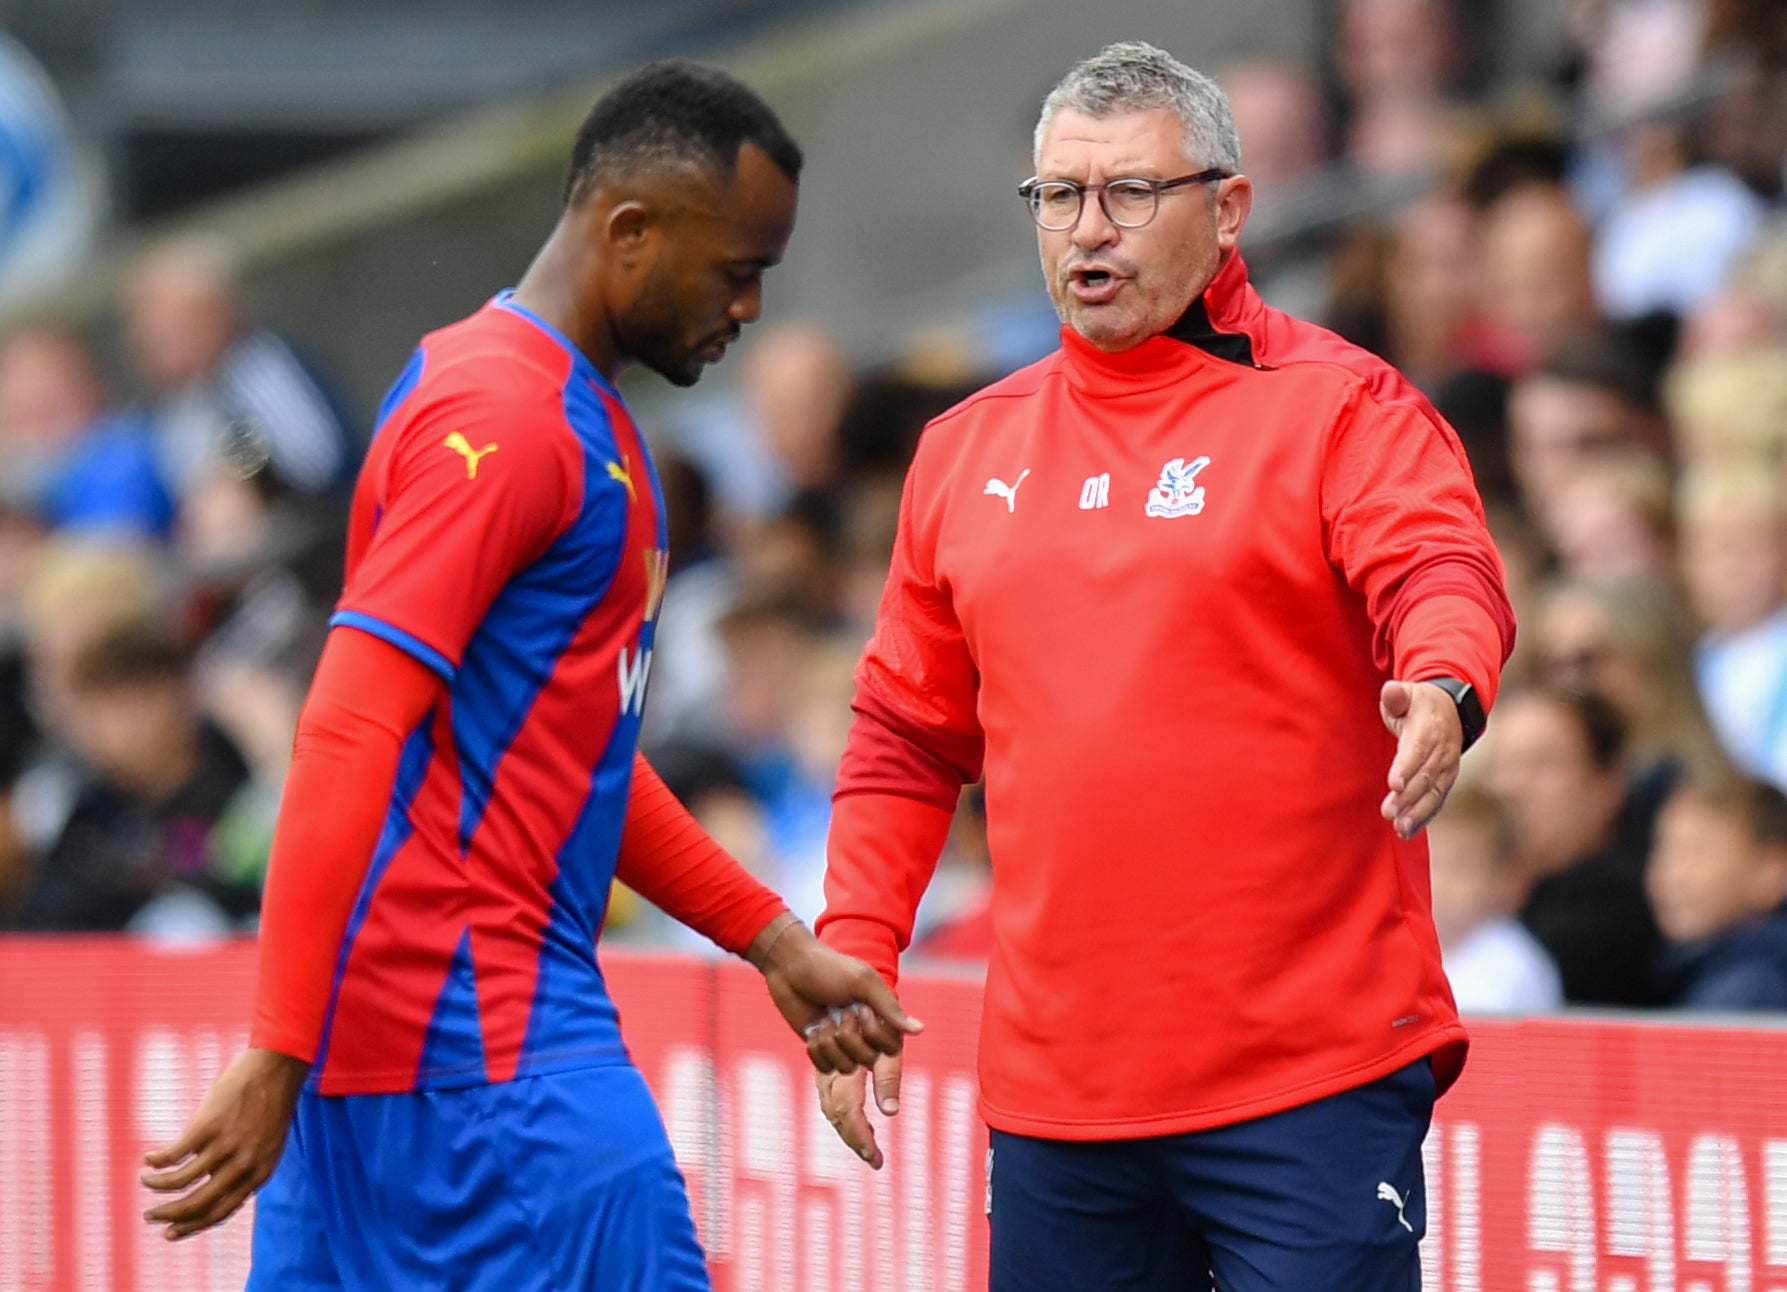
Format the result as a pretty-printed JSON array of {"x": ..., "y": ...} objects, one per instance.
[{"x": 1227, "y": 322}]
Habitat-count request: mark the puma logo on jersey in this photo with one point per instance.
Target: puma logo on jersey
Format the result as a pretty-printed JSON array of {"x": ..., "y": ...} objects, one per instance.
[
  {"x": 618, "y": 471},
  {"x": 459, "y": 444},
  {"x": 1386, "y": 1194},
  {"x": 1009, "y": 492}
]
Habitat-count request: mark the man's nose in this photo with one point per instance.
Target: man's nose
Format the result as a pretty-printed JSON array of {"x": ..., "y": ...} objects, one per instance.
[
  {"x": 747, "y": 305},
  {"x": 1093, "y": 228}
]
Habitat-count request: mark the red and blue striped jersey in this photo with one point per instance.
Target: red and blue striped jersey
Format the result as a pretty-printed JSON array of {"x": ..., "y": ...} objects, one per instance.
[{"x": 507, "y": 530}]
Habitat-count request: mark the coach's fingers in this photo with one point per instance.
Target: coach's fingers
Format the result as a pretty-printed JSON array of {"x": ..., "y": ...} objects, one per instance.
[
  {"x": 887, "y": 1084},
  {"x": 841, "y": 1100}
]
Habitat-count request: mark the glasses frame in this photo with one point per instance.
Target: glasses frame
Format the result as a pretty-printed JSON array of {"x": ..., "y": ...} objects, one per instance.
[{"x": 1028, "y": 189}]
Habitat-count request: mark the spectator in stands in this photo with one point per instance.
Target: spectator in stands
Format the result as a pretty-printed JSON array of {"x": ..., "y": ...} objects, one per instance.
[
  {"x": 1584, "y": 404},
  {"x": 1537, "y": 290},
  {"x": 1492, "y": 960},
  {"x": 1718, "y": 880},
  {"x": 1734, "y": 559},
  {"x": 688, "y": 684},
  {"x": 1627, "y": 641},
  {"x": 1731, "y": 403},
  {"x": 1432, "y": 296},
  {"x": 1614, "y": 517},
  {"x": 1555, "y": 766},
  {"x": 1749, "y": 310},
  {"x": 134, "y": 851},
  {"x": 229, "y": 397},
  {"x": 76, "y": 464},
  {"x": 775, "y": 648}
]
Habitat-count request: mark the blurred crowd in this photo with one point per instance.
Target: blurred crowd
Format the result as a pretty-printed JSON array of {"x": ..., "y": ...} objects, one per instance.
[{"x": 1586, "y": 273}]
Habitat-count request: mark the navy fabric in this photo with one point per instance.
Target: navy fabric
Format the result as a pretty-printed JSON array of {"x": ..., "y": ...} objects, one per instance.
[{"x": 1325, "y": 1197}]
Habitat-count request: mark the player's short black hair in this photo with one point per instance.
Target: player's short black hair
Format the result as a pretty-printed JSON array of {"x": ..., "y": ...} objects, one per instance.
[{"x": 676, "y": 111}]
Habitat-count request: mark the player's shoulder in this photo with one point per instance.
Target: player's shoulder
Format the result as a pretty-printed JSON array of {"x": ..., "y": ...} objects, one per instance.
[{"x": 493, "y": 374}]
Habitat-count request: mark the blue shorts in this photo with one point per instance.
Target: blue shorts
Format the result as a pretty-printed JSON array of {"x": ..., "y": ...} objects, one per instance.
[
  {"x": 544, "y": 1184},
  {"x": 1326, "y": 1197}
]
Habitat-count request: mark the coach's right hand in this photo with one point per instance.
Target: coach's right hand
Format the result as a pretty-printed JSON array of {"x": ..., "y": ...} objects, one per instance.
[
  {"x": 230, "y": 1146},
  {"x": 843, "y": 1096}
]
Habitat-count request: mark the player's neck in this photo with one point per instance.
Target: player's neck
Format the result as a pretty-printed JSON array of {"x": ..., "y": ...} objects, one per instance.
[{"x": 550, "y": 289}]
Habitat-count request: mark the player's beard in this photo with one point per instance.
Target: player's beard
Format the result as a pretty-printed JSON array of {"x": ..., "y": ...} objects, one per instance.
[{"x": 652, "y": 332}]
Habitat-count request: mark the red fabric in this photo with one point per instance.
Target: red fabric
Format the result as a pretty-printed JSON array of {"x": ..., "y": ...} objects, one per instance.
[
  {"x": 888, "y": 754},
  {"x": 668, "y": 859},
  {"x": 366, "y": 698},
  {"x": 1163, "y": 589}
]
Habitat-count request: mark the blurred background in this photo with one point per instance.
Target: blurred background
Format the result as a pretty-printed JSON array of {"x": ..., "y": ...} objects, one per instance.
[{"x": 223, "y": 226}]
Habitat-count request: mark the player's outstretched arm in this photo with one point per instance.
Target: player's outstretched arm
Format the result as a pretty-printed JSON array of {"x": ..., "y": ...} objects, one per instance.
[{"x": 231, "y": 1145}]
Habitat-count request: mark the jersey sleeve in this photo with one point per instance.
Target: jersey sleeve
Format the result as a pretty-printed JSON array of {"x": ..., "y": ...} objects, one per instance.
[
  {"x": 1405, "y": 527},
  {"x": 363, "y": 703},
  {"x": 472, "y": 493}
]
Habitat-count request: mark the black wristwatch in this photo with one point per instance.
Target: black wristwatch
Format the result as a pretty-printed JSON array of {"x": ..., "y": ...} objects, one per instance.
[{"x": 1470, "y": 709}]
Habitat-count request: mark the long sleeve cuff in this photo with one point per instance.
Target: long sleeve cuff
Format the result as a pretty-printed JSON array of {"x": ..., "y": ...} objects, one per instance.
[{"x": 1451, "y": 636}]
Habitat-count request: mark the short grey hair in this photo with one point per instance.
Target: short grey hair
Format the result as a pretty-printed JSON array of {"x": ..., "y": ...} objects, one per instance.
[{"x": 1134, "y": 76}]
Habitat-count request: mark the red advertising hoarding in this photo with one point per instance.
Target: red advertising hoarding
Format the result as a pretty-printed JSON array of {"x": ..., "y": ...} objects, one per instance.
[{"x": 1576, "y": 1155}]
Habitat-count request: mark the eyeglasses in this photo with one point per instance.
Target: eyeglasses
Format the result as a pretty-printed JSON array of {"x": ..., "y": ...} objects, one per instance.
[{"x": 1129, "y": 203}]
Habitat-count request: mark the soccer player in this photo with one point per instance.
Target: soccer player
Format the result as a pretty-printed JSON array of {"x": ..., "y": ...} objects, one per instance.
[
  {"x": 465, "y": 785},
  {"x": 1189, "y": 590}
]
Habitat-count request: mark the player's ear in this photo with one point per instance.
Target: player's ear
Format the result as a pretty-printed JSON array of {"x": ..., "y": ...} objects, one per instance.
[{"x": 631, "y": 230}]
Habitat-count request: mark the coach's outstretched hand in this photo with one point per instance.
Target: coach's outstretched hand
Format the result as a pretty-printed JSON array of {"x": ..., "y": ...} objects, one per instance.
[
  {"x": 230, "y": 1146},
  {"x": 841, "y": 1008},
  {"x": 1429, "y": 743}
]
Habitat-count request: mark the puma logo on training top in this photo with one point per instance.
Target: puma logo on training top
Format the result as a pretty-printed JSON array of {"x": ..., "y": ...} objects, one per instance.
[
  {"x": 1009, "y": 492},
  {"x": 459, "y": 444},
  {"x": 1395, "y": 1199}
]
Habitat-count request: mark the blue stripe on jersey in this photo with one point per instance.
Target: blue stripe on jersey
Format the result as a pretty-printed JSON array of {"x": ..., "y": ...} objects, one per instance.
[
  {"x": 412, "y": 770},
  {"x": 530, "y": 624},
  {"x": 400, "y": 389},
  {"x": 405, "y": 642},
  {"x": 455, "y": 1039}
]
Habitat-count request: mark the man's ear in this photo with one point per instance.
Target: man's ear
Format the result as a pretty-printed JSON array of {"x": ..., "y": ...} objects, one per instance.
[{"x": 631, "y": 230}]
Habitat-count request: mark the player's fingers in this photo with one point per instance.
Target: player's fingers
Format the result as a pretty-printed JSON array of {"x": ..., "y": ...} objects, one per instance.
[
  {"x": 172, "y": 1181},
  {"x": 850, "y": 1039},
  {"x": 189, "y": 1142},
  {"x": 213, "y": 1200},
  {"x": 874, "y": 992},
  {"x": 878, "y": 1032}
]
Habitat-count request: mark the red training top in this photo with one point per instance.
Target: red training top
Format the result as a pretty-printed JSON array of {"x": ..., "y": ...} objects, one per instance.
[{"x": 1156, "y": 595}]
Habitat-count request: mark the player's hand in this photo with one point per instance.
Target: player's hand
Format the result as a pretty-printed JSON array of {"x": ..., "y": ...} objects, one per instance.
[
  {"x": 230, "y": 1146},
  {"x": 1429, "y": 742},
  {"x": 841, "y": 1099},
  {"x": 840, "y": 1006}
]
